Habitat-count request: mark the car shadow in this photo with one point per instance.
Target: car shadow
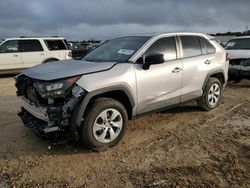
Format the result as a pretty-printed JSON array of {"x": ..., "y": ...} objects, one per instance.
[
  {"x": 8, "y": 75},
  {"x": 242, "y": 84}
]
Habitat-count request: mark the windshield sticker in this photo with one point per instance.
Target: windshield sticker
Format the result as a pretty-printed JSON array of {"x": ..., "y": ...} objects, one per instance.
[
  {"x": 125, "y": 51},
  {"x": 230, "y": 44}
]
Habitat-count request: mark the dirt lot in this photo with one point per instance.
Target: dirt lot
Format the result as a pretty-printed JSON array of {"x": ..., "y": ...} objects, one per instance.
[{"x": 182, "y": 147}]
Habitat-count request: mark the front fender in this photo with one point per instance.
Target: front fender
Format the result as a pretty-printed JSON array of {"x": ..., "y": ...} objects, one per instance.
[{"x": 80, "y": 109}]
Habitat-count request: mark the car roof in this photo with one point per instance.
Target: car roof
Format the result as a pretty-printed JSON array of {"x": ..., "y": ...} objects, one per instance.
[
  {"x": 173, "y": 33},
  {"x": 28, "y": 38},
  {"x": 242, "y": 37}
]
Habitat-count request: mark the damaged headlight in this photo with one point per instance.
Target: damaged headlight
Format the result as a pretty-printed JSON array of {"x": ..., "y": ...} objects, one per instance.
[{"x": 55, "y": 89}]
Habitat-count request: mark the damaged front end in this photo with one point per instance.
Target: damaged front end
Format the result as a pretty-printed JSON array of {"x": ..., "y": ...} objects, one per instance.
[
  {"x": 47, "y": 106},
  {"x": 239, "y": 69}
]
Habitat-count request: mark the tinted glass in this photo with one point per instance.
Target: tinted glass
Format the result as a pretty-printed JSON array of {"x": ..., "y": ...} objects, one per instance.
[
  {"x": 165, "y": 46},
  {"x": 31, "y": 46},
  {"x": 55, "y": 45},
  {"x": 10, "y": 46},
  {"x": 209, "y": 46},
  {"x": 238, "y": 44},
  {"x": 203, "y": 46},
  {"x": 116, "y": 50},
  {"x": 191, "y": 46},
  {"x": 66, "y": 42}
]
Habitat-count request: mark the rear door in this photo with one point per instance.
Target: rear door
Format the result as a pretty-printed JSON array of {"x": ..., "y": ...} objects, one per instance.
[
  {"x": 10, "y": 55},
  {"x": 33, "y": 53},
  {"x": 198, "y": 61}
]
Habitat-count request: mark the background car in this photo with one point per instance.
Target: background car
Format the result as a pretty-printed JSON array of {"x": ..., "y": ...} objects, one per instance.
[
  {"x": 239, "y": 49},
  {"x": 20, "y": 53}
]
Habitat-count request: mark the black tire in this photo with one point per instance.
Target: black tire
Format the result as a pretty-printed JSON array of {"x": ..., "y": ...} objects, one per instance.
[
  {"x": 50, "y": 60},
  {"x": 204, "y": 101},
  {"x": 93, "y": 111}
]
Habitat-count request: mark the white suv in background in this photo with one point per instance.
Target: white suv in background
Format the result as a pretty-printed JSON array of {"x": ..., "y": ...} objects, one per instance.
[{"x": 24, "y": 52}]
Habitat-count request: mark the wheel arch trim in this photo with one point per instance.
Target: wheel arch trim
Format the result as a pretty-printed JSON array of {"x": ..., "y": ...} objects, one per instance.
[
  {"x": 92, "y": 94},
  {"x": 212, "y": 73}
]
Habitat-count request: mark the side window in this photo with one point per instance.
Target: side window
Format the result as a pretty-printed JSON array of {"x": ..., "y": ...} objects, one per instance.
[
  {"x": 191, "y": 46},
  {"x": 55, "y": 45},
  {"x": 165, "y": 46},
  {"x": 10, "y": 46},
  {"x": 209, "y": 46},
  {"x": 31, "y": 46},
  {"x": 203, "y": 46}
]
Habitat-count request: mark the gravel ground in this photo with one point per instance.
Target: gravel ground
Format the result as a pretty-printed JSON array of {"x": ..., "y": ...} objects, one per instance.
[{"x": 181, "y": 147}]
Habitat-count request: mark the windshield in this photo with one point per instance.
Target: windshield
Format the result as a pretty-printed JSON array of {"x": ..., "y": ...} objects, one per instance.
[
  {"x": 116, "y": 50},
  {"x": 1, "y": 41},
  {"x": 238, "y": 44}
]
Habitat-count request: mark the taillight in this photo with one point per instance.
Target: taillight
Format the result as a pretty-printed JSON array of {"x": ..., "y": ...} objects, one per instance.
[
  {"x": 228, "y": 56},
  {"x": 70, "y": 54}
]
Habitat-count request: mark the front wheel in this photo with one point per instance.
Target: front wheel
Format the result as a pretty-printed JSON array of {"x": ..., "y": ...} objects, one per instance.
[
  {"x": 211, "y": 94},
  {"x": 104, "y": 125}
]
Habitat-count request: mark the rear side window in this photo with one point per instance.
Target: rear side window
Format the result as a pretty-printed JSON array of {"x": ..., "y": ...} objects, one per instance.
[
  {"x": 191, "y": 46},
  {"x": 55, "y": 45},
  {"x": 31, "y": 46},
  {"x": 165, "y": 46},
  {"x": 10, "y": 46}
]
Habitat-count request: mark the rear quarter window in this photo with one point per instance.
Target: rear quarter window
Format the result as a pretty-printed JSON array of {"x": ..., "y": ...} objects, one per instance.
[
  {"x": 209, "y": 46},
  {"x": 54, "y": 45}
]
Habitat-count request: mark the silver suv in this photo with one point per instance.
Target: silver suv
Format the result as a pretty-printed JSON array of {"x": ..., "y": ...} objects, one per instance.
[{"x": 91, "y": 100}]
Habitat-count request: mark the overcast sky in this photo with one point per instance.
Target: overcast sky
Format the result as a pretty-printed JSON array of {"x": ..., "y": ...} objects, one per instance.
[{"x": 103, "y": 19}]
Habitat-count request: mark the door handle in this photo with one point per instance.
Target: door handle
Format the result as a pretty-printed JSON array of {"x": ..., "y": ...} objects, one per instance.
[
  {"x": 15, "y": 55},
  {"x": 208, "y": 62},
  {"x": 41, "y": 53},
  {"x": 176, "y": 70}
]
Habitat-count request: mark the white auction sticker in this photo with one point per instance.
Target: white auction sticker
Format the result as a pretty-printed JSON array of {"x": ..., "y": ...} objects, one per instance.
[
  {"x": 125, "y": 51},
  {"x": 230, "y": 44}
]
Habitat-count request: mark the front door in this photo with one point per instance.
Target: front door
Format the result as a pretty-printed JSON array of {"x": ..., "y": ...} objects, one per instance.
[
  {"x": 160, "y": 85},
  {"x": 10, "y": 56}
]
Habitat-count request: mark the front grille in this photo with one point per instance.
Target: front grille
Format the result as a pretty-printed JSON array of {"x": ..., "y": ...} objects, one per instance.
[{"x": 31, "y": 95}]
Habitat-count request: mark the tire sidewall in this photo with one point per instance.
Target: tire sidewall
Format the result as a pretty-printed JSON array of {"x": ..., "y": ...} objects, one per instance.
[
  {"x": 211, "y": 82},
  {"x": 87, "y": 129}
]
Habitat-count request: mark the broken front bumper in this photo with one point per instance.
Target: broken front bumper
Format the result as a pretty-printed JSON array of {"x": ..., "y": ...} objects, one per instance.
[
  {"x": 38, "y": 119},
  {"x": 45, "y": 121},
  {"x": 38, "y": 112}
]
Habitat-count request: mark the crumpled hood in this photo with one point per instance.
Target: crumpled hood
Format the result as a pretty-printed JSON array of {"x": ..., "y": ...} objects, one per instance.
[
  {"x": 66, "y": 68},
  {"x": 239, "y": 54}
]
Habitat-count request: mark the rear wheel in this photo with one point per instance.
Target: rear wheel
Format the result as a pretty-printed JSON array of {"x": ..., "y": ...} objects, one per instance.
[
  {"x": 50, "y": 60},
  {"x": 105, "y": 124},
  {"x": 211, "y": 94}
]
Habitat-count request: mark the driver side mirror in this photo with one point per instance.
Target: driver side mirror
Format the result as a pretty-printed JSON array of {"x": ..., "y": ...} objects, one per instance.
[{"x": 153, "y": 59}]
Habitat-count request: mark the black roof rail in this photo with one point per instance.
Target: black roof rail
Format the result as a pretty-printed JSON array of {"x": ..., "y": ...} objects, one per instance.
[{"x": 39, "y": 37}]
